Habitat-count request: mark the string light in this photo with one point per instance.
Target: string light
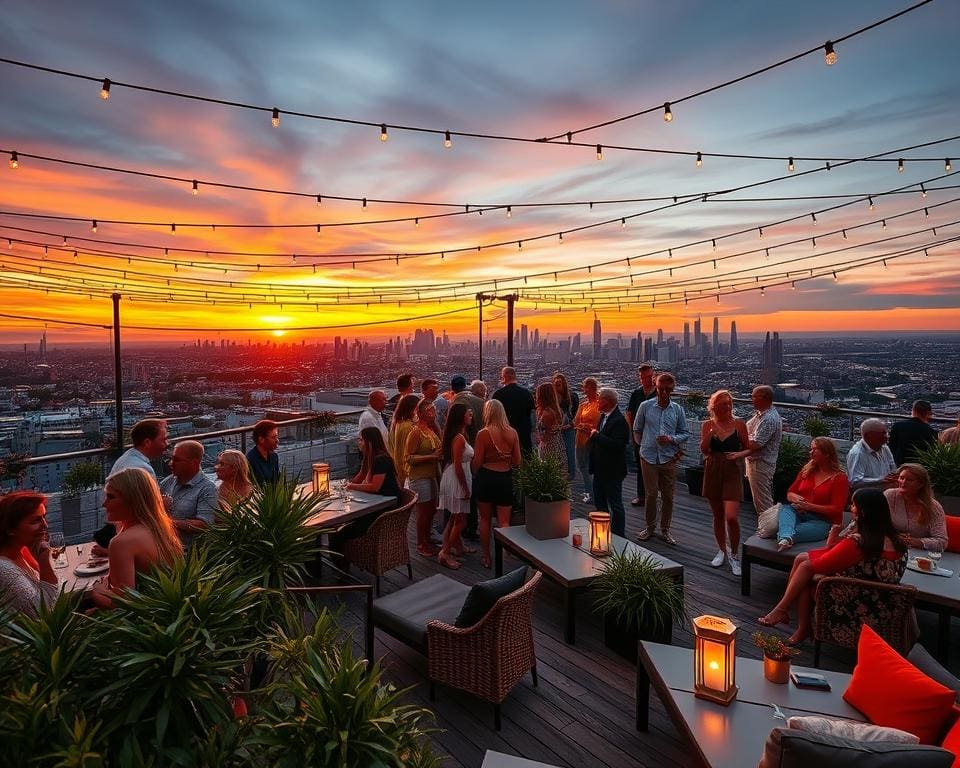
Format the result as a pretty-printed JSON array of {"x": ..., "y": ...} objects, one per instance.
[
  {"x": 883, "y": 224},
  {"x": 813, "y": 242},
  {"x": 763, "y": 291},
  {"x": 105, "y": 89},
  {"x": 793, "y": 285},
  {"x": 275, "y": 118},
  {"x": 900, "y": 165},
  {"x": 93, "y": 226},
  {"x": 318, "y": 230},
  {"x": 829, "y": 55},
  {"x": 699, "y": 160},
  {"x": 623, "y": 223},
  {"x": 364, "y": 204},
  {"x": 760, "y": 232},
  {"x": 870, "y": 205},
  {"x": 667, "y": 114},
  {"x": 835, "y": 278},
  {"x": 447, "y": 141},
  {"x": 790, "y": 166},
  {"x": 844, "y": 232},
  {"x": 383, "y": 132},
  {"x": 416, "y": 222},
  {"x": 599, "y": 152},
  {"x": 926, "y": 212},
  {"x": 509, "y": 212},
  {"x": 923, "y": 190},
  {"x": 714, "y": 242},
  {"x": 813, "y": 217},
  {"x": 173, "y": 229},
  {"x": 196, "y": 188},
  {"x": 14, "y": 160},
  {"x": 947, "y": 167}
]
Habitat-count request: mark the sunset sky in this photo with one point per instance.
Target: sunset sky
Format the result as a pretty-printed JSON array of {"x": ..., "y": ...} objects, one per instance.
[{"x": 519, "y": 69}]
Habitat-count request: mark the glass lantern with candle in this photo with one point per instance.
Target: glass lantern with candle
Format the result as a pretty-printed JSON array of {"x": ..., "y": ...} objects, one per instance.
[
  {"x": 714, "y": 660},
  {"x": 321, "y": 478},
  {"x": 600, "y": 535}
]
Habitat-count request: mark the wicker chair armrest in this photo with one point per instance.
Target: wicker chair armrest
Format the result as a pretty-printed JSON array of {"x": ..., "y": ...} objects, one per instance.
[{"x": 825, "y": 583}]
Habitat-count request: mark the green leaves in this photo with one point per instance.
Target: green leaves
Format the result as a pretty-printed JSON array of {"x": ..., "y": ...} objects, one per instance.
[
  {"x": 541, "y": 479},
  {"x": 637, "y": 594},
  {"x": 942, "y": 461}
]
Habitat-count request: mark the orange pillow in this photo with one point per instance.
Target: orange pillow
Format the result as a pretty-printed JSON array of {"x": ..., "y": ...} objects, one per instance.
[
  {"x": 953, "y": 533},
  {"x": 890, "y": 691}
]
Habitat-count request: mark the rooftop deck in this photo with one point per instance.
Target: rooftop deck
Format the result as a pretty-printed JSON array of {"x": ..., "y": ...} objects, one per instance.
[{"x": 582, "y": 713}]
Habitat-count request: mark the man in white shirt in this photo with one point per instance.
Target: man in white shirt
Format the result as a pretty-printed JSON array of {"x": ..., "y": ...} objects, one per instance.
[
  {"x": 870, "y": 462},
  {"x": 372, "y": 415},
  {"x": 765, "y": 431},
  {"x": 149, "y": 438}
]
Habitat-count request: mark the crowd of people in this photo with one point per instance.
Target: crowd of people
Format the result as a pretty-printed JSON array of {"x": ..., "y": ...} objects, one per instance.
[{"x": 458, "y": 450}]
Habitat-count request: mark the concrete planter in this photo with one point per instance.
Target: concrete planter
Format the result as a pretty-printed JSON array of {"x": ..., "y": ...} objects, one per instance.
[{"x": 547, "y": 519}]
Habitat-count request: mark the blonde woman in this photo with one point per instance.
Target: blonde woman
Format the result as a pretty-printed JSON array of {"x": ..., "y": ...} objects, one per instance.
[
  {"x": 423, "y": 472},
  {"x": 915, "y": 513},
  {"x": 145, "y": 534},
  {"x": 816, "y": 498},
  {"x": 586, "y": 420},
  {"x": 233, "y": 470},
  {"x": 496, "y": 454},
  {"x": 404, "y": 419}
]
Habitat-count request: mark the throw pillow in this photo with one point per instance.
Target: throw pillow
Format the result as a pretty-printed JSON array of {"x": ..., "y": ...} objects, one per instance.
[
  {"x": 484, "y": 594},
  {"x": 890, "y": 691},
  {"x": 787, "y": 748},
  {"x": 951, "y": 742},
  {"x": 953, "y": 533},
  {"x": 920, "y": 658},
  {"x": 850, "y": 729}
]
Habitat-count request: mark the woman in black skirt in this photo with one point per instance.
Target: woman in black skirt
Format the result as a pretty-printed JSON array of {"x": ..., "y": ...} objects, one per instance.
[{"x": 496, "y": 453}]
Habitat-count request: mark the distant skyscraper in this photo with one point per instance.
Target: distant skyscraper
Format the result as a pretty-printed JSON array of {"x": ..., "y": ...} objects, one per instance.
[
  {"x": 659, "y": 336},
  {"x": 697, "y": 335},
  {"x": 575, "y": 348},
  {"x": 536, "y": 339},
  {"x": 716, "y": 337},
  {"x": 771, "y": 359},
  {"x": 524, "y": 339},
  {"x": 686, "y": 339},
  {"x": 596, "y": 338},
  {"x": 734, "y": 347}
]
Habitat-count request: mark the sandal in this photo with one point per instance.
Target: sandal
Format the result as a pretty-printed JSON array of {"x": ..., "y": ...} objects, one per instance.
[
  {"x": 793, "y": 641},
  {"x": 784, "y": 544},
  {"x": 448, "y": 562},
  {"x": 485, "y": 561},
  {"x": 428, "y": 550},
  {"x": 779, "y": 617},
  {"x": 463, "y": 551}
]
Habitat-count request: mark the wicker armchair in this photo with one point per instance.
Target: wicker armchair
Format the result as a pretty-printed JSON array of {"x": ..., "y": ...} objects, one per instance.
[
  {"x": 384, "y": 546},
  {"x": 487, "y": 659},
  {"x": 843, "y": 605}
]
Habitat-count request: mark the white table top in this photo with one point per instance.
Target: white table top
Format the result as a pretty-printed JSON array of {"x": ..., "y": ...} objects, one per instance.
[
  {"x": 568, "y": 565},
  {"x": 70, "y": 581},
  {"x": 334, "y": 511}
]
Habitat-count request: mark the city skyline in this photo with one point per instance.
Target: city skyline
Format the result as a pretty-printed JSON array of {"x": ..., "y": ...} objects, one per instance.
[{"x": 487, "y": 71}]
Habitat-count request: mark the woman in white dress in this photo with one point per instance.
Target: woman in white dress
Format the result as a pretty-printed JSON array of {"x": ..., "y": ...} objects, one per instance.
[
  {"x": 455, "y": 483},
  {"x": 27, "y": 577}
]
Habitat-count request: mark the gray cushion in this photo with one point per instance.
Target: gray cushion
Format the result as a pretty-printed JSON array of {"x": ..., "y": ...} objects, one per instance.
[
  {"x": 799, "y": 749},
  {"x": 484, "y": 595},
  {"x": 923, "y": 661},
  {"x": 406, "y": 612}
]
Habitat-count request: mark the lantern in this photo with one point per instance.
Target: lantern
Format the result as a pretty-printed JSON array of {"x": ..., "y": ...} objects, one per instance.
[
  {"x": 714, "y": 662},
  {"x": 321, "y": 478},
  {"x": 599, "y": 533}
]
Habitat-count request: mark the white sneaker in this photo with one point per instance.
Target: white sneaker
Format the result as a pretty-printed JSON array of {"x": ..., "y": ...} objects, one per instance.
[
  {"x": 586, "y": 498},
  {"x": 718, "y": 559},
  {"x": 735, "y": 565}
]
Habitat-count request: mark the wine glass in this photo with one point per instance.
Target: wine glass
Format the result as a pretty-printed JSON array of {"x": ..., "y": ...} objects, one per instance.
[
  {"x": 935, "y": 555},
  {"x": 57, "y": 549}
]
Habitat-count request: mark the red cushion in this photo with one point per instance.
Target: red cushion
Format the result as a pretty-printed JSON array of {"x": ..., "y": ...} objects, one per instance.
[
  {"x": 890, "y": 691},
  {"x": 951, "y": 742},
  {"x": 953, "y": 533}
]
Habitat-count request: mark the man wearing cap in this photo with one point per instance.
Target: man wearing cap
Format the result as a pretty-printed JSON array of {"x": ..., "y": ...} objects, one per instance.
[{"x": 646, "y": 391}]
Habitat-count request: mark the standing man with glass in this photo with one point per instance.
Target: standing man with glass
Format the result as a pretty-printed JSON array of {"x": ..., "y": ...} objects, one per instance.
[
  {"x": 765, "y": 431},
  {"x": 660, "y": 429}
]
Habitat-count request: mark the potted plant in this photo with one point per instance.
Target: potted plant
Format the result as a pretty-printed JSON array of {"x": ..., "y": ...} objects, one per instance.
[
  {"x": 816, "y": 427},
  {"x": 695, "y": 404},
  {"x": 942, "y": 461},
  {"x": 776, "y": 656},
  {"x": 542, "y": 485},
  {"x": 638, "y": 602},
  {"x": 81, "y": 477},
  {"x": 793, "y": 455}
]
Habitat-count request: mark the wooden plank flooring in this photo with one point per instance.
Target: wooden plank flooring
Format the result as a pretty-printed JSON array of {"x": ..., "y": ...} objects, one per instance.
[{"x": 582, "y": 713}]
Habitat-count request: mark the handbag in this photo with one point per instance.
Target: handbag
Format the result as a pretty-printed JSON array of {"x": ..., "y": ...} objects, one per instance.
[{"x": 768, "y": 521}]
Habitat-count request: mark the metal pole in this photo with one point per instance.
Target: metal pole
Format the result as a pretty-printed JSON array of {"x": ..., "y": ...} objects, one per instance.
[
  {"x": 480, "y": 298},
  {"x": 510, "y": 299},
  {"x": 117, "y": 376}
]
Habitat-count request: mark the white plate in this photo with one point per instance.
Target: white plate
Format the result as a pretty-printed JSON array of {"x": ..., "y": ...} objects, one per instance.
[
  {"x": 91, "y": 570},
  {"x": 938, "y": 571}
]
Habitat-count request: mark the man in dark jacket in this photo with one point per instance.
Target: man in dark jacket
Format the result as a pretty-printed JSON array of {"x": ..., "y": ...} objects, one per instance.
[
  {"x": 519, "y": 405},
  {"x": 908, "y": 435},
  {"x": 608, "y": 461}
]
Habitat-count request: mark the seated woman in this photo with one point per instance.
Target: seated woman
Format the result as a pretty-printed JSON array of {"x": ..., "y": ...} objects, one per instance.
[
  {"x": 870, "y": 548},
  {"x": 233, "y": 470},
  {"x": 915, "y": 513},
  {"x": 145, "y": 533},
  {"x": 27, "y": 577},
  {"x": 816, "y": 498},
  {"x": 377, "y": 475}
]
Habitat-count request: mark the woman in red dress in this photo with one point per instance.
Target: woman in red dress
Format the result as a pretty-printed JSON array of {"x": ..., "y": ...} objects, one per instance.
[{"x": 870, "y": 549}]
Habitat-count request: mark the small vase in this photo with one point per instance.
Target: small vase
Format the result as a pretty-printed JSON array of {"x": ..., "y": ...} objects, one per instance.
[{"x": 776, "y": 670}]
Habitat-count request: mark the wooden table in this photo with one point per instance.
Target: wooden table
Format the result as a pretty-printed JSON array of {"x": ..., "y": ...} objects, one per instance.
[
  {"x": 570, "y": 567},
  {"x": 729, "y": 736},
  {"x": 68, "y": 579},
  {"x": 334, "y": 511}
]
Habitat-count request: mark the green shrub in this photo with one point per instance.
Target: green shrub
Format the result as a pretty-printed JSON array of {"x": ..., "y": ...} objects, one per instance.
[
  {"x": 541, "y": 478},
  {"x": 82, "y": 476},
  {"x": 816, "y": 427},
  {"x": 636, "y": 593},
  {"x": 942, "y": 461}
]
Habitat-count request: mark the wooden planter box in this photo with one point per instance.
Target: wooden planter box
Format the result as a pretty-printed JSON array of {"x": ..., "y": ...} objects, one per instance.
[{"x": 547, "y": 519}]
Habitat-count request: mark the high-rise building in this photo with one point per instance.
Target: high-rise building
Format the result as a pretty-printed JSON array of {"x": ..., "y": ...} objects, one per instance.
[
  {"x": 659, "y": 336},
  {"x": 536, "y": 339},
  {"x": 697, "y": 336},
  {"x": 716, "y": 337},
  {"x": 734, "y": 347},
  {"x": 686, "y": 339},
  {"x": 771, "y": 359},
  {"x": 575, "y": 347},
  {"x": 596, "y": 338},
  {"x": 524, "y": 339}
]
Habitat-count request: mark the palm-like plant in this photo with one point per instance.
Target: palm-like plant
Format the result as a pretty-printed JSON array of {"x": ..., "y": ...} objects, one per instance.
[
  {"x": 636, "y": 594},
  {"x": 541, "y": 478}
]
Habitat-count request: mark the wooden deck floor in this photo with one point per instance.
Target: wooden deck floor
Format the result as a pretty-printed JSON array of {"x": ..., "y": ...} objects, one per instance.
[{"x": 582, "y": 713}]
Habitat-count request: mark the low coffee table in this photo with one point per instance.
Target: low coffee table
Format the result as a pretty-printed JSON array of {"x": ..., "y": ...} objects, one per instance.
[
  {"x": 731, "y": 736},
  {"x": 570, "y": 567}
]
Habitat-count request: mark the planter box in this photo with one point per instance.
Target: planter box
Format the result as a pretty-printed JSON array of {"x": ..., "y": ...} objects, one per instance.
[
  {"x": 547, "y": 519},
  {"x": 694, "y": 477},
  {"x": 70, "y": 515},
  {"x": 625, "y": 642}
]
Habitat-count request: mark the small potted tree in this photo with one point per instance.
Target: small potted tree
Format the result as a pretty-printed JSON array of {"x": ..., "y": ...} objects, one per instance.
[
  {"x": 638, "y": 602},
  {"x": 816, "y": 427},
  {"x": 793, "y": 455},
  {"x": 942, "y": 461},
  {"x": 776, "y": 656},
  {"x": 82, "y": 476},
  {"x": 542, "y": 486}
]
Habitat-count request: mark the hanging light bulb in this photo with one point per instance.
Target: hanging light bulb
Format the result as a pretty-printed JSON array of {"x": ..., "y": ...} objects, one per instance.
[
  {"x": 105, "y": 89},
  {"x": 699, "y": 160},
  {"x": 844, "y": 232},
  {"x": 509, "y": 212},
  {"x": 364, "y": 205},
  {"x": 318, "y": 235},
  {"x": 196, "y": 188},
  {"x": 447, "y": 141},
  {"x": 561, "y": 237},
  {"x": 416, "y": 222},
  {"x": 667, "y": 114},
  {"x": 599, "y": 152},
  {"x": 793, "y": 285},
  {"x": 813, "y": 242},
  {"x": 870, "y": 205},
  {"x": 14, "y": 160},
  {"x": 623, "y": 223},
  {"x": 947, "y": 166},
  {"x": 835, "y": 278},
  {"x": 883, "y": 224},
  {"x": 714, "y": 242},
  {"x": 900, "y": 165},
  {"x": 923, "y": 190},
  {"x": 790, "y": 166},
  {"x": 383, "y": 132},
  {"x": 763, "y": 291},
  {"x": 813, "y": 218},
  {"x": 275, "y": 118},
  {"x": 760, "y": 232},
  {"x": 829, "y": 55},
  {"x": 93, "y": 225},
  {"x": 519, "y": 245}
]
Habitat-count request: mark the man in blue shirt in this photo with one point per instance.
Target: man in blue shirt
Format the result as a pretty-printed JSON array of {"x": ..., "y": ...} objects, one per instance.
[
  {"x": 263, "y": 456},
  {"x": 660, "y": 429}
]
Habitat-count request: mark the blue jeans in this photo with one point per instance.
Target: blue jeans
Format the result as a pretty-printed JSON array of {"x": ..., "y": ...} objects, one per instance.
[
  {"x": 608, "y": 497},
  {"x": 801, "y": 527},
  {"x": 583, "y": 464}
]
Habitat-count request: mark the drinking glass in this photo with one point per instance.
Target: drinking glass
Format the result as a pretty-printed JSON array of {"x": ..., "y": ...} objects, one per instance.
[
  {"x": 935, "y": 555},
  {"x": 58, "y": 549}
]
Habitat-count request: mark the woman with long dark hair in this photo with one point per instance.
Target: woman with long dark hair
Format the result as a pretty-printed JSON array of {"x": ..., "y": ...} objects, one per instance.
[
  {"x": 549, "y": 425},
  {"x": 456, "y": 483},
  {"x": 401, "y": 425},
  {"x": 569, "y": 405},
  {"x": 870, "y": 548}
]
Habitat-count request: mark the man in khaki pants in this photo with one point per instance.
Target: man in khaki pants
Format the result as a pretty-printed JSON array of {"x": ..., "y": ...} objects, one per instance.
[{"x": 765, "y": 430}]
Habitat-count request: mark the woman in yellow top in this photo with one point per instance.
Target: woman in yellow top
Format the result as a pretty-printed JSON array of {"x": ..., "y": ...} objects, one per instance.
[
  {"x": 422, "y": 453},
  {"x": 586, "y": 420},
  {"x": 404, "y": 417}
]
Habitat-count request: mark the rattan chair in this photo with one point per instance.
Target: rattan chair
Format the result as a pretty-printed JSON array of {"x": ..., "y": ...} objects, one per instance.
[
  {"x": 843, "y": 605},
  {"x": 489, "y": 658},
  {"x": 385, "y": 545}
]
